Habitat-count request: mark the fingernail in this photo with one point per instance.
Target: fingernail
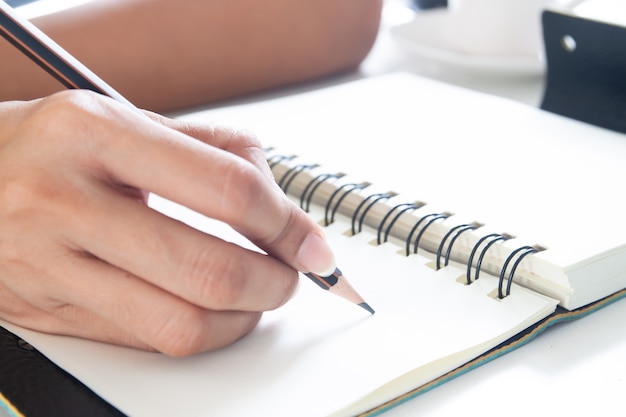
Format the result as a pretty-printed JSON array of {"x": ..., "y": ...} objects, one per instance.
[{"x": 316, "y": 256}]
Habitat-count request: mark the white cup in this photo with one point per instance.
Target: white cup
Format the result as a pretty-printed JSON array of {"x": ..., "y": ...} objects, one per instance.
[{"x": 503, "y": 28}]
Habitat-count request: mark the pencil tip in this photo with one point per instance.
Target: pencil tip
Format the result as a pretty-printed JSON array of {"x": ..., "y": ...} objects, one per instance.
[{"x": 367, "y": 307}]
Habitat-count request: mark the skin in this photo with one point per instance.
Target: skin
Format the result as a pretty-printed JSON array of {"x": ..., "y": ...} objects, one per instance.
[
  {"x": 81, "y": 253},
  {"x": 78, "y": 244},
  {"x": 165, "y": 55}
]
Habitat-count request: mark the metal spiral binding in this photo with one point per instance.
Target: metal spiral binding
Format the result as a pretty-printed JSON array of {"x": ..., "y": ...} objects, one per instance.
[
  {"x": 387, "y": 223},
  {"x": 428, "y": 219},
  {"x": 312, "y": 186},
  {"x": 403, "y": 207},
  {"x": 274, "y": 160},
  {"x": 456, "y": 231},
  {"x": 372, "y": 199},
  {"x": 523, "y": 251},
  {"x": 351, "y": 187},
  {"x": 292, "y": 173},
  {"x": 493, "y": 238}
]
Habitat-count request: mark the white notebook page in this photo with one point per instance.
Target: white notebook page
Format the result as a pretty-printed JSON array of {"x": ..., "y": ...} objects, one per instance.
[
  {"x": 319, "y": 354},
  {"x": 545, "y": 179}
]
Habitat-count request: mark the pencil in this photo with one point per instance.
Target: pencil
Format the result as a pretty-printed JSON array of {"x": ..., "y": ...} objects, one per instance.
[
  {"x": 337, "y": 284},
  {"x": 50, "y": 56},
  {"x": 74, "y": 75}
]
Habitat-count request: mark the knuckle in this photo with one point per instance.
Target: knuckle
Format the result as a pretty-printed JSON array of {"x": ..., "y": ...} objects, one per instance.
[
  {"x": 21, "y": 222},
  {"x": 85, "y": 111},
  {"x": 16, "y": 195},
  {"x": 32, "y": 201},
  {"x": 215, "y": 278},
  {"x": 246, "y": 140},
  {"x": 238, "y": 141},
  {"x": 59, "y": 108},
  {"x": 194, "y": 330},
  {"x": 182, "y": 334},
  {"x": 13, "y": 306},
  {"x": 241, "y": 191},
  {"x": 13, "y": 255},
  {"x": 249, "y": 147}
]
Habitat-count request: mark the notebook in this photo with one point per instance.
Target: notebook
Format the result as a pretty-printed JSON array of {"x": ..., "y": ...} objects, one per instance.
[{"x": 414, "y": 181}]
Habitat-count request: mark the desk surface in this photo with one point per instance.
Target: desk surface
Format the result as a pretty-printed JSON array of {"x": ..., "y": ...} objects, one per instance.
[{"x": 388, "y": 56}]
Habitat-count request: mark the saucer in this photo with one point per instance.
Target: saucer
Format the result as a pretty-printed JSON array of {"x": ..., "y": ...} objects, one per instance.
[{"x": 426, "y": 38}]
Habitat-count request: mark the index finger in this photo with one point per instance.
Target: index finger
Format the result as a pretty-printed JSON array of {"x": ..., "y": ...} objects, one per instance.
[
  {"x": 235, "y": 141},
  {"x": 218, "y": 184}
]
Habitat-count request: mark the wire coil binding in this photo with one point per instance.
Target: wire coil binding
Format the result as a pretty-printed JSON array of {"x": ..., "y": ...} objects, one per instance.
[{"x": 385, "y": 226}]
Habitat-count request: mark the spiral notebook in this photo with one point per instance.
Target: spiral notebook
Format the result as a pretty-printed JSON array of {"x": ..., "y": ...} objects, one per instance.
[{"x": 470, "y": 223}]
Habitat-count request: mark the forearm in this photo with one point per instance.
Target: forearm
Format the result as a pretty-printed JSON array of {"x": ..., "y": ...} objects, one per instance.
[{"x": 164, "y": 54}]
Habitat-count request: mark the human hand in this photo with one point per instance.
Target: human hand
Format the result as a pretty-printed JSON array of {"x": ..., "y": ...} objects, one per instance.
[{"x": 82, "y": 254}]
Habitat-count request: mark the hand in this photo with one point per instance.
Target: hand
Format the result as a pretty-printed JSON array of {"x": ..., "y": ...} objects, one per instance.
[{"x": 81, "y": 253}]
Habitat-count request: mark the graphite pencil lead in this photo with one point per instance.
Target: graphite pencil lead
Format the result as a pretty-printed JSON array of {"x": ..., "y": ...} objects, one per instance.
[
  {"x": 367, "y": 307},
  {"x": 339, "y": 285}
]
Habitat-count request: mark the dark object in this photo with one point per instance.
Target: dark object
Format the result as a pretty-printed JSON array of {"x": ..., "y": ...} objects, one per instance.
[
  {"x": 586, "y": 70},
  {"x": 26, "y": 37},
  {"x": 429, "y": 4},
  {"x": 16, "y": 3},
  {"x": 39, "y": 388}
]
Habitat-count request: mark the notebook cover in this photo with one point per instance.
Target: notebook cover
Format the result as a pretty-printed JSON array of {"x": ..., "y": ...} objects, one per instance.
[{"x": 33, "y": 386}]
